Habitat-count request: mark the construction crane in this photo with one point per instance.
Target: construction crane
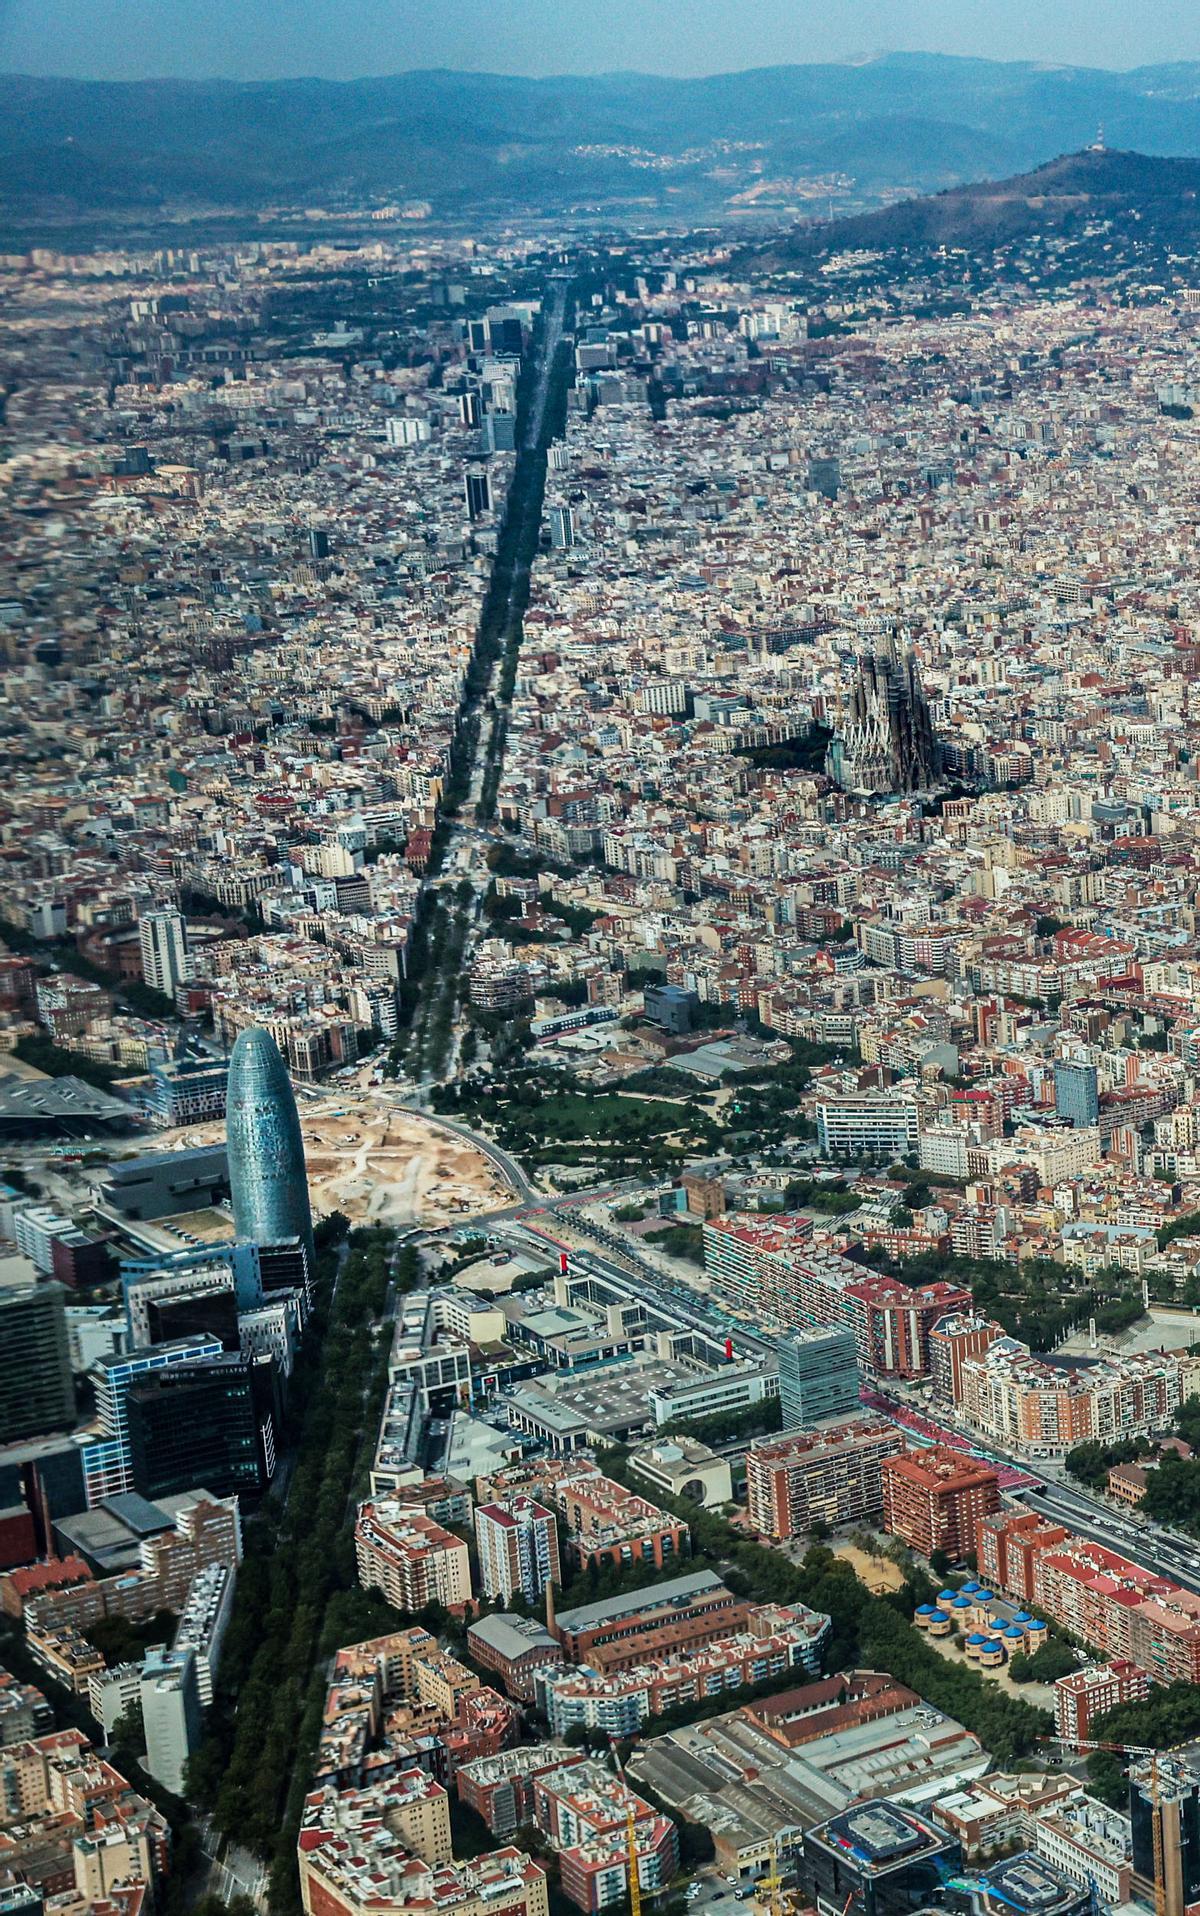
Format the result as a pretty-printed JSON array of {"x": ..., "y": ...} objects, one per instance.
[
  {"x": 772, "y": 1882},
  {"x": 635, "y": 1880},
  {"x": 1135, "y": 1750}
]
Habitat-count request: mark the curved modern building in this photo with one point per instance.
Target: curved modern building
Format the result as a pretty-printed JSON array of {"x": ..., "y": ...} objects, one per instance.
[{"x": 267, "y": 1178}]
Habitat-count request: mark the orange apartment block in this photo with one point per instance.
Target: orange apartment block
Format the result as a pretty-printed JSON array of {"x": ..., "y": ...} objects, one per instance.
[
  {"x": 610, "y": 1524},
  {"x": 936, "y": 1499}
]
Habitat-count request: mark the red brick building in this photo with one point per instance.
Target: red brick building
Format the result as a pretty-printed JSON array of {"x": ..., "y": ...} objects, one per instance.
[
  {"x": 892, "y": 1322},
  {"x": 1008, "y": 1546},
  {"x": 1085, "y": 1695},
  {"x": 936, "y": 1499}
]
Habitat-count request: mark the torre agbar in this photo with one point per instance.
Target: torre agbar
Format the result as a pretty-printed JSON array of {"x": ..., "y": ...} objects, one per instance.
[{"x": 267, "y": 1179}]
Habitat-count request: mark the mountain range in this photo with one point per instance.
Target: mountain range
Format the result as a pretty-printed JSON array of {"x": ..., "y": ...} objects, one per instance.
[{"x": 624, "y": 144}]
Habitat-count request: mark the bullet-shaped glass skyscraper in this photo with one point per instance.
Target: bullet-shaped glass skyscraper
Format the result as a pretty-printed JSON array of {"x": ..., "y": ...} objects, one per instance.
[{"x": 267, "y": 1178}]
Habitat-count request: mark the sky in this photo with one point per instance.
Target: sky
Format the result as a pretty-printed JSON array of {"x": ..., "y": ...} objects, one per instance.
[{"x": 341, "y": 39}]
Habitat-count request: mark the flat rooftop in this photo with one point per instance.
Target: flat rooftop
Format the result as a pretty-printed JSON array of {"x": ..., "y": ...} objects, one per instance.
[{"x": 657, "y": 1596}]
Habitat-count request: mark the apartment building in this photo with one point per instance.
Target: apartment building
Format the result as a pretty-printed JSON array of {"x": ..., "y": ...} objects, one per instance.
[
  {"x": 610, "y": 1524},
  {"x": 1029, "y": 1404},
  {"x": 411, "y": 1559},
  {"x": 866, "y": 1124},
  {"x": 892, "y": 1323},
  {"x": 207, "y": 1532},
  {"x": 583, "y": 1811},
  {"x": 1008, "y": 1547},
  {"x": 936, "y": 1499},
  {"x": 953, "y": 1339},
  {"x": 1083, "y": 1696},
  {"x": 776, "y": 1638},
  {"x": 517, "y": 1543},
  {"x": 742, "y": 1253},
  {"x": 500, "y": 1788},
  {"x": 1119, "y": 1608},
  {"x": 831, "y": 1476}
]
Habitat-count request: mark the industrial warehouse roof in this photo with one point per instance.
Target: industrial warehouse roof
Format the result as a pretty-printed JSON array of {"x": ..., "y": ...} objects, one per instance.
[
  {"x": 43, "y": 1101},
  {"x": 655, "y": 1596}
]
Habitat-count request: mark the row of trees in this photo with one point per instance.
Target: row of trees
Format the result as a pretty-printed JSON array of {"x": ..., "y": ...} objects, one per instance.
[{"x": 297, "y": 1597}]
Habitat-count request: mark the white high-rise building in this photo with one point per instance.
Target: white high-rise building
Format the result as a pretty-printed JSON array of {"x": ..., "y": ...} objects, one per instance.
[
  {"x": 171, "y": 1714},
  {"x": 517, "y": 1543},
  {"x": 166, "y": 961}
]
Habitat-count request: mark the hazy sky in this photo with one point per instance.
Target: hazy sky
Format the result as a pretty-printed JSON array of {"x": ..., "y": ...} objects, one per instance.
[{"x": 256, "y": 39}]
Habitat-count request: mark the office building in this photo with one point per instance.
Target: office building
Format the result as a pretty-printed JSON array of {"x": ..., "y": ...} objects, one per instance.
[
  {"x": 1175, "y": 1784},
  {"x": 818, "y": 1377},
  {"x": 477, "y": 490},
  {"x": 196, "y": 1297},
  {"x": 875, "y": 1859},
  {"x": 1027, "y": 1884},
  {"x": 108, "y": 1460},
  {"x": 1076, "y": 1093},
  {"x": 831, "y": 1476},
  {"x": 214, "y": 1423},
  {"x": 936, "y": 1500},
  {"x": 36, "y": 1393},
  {"x": 267, "y": 1179},
  {"x": 166, "y": 962},
  {"x": 164, "y": 1183},
  {"x": 517, "y": 1542},
  {"x": 499, "y": 432},
  {"x": 171, "y": 1714},
  {"x": 185, "y": 1090},
  {"x": 562, "y": 527}
]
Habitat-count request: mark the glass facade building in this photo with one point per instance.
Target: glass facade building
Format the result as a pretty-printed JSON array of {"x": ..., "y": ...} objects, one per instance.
[
  {"x": 818, "y": 1377},
  {"x": 1076, "y": 1093},
  {"x": 210, "y": 1425},
  {"x": 267, "y": 1179}
]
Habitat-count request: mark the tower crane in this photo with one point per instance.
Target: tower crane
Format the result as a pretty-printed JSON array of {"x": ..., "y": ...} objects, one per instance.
[
  {"x": 1156, "y": 1831},
  {"x": 635, "y": 1880}
]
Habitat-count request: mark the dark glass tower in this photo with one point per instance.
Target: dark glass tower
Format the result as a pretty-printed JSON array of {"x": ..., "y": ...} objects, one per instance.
[
  {"x": 216, "y": 1429},
  {"x": 267, "y": 1179}
]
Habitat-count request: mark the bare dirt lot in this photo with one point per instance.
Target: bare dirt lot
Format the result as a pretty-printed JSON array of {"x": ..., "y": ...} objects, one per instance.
[{"x": 380, "y": 1165}]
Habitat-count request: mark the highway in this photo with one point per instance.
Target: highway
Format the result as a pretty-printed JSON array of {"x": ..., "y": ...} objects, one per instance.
[
  {"x": 1147, "y": 1544},
  {"x": 1163, "y": 1551}
]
